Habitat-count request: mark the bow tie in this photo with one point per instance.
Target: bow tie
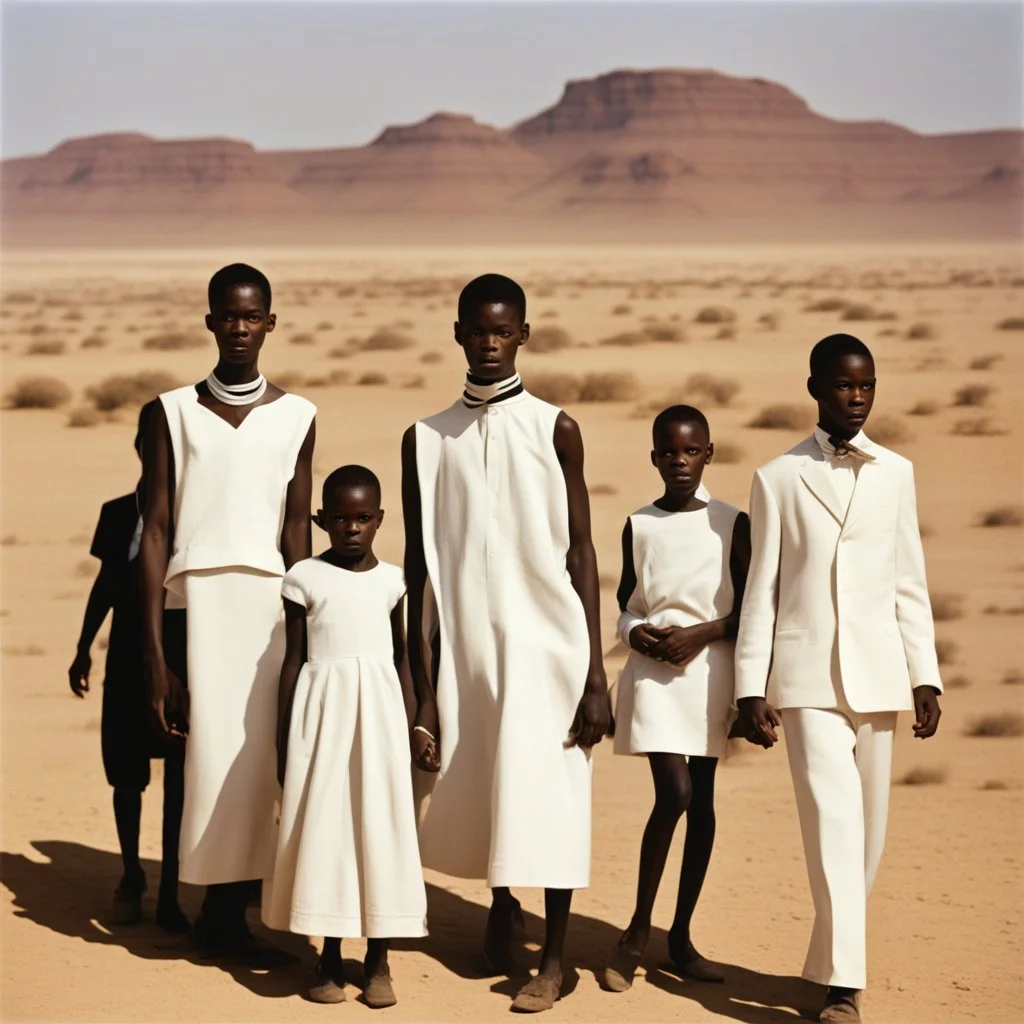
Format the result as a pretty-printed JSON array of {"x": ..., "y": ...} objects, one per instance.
[{"x": 842, "y": 449}]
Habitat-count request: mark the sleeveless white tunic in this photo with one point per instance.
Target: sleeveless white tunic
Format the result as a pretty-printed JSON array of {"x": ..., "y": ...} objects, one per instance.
[
  {"x": 511, "y": 803},
  {"x": 681, "y": 561},
  {"x": 231, "y": 486},
  {"x": 348, "y": 862}
]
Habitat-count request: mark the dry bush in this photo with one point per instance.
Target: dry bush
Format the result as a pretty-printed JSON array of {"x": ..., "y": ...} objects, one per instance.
[
  {"x": 86, "y": 568},
  {"x": 288, "y": 379},
  {"x": 725, "y": 333},
  {"x": 972, "y": 395},
  {"x": 339, "y": 352},
  {"x": 985, "y": 362},
  {"x": 28, "y": 651},
  {"x": 93, "y": 341},
  {"x": 1011, "y": 323},
  {"x": 372, "y": 379},
  {"x": 827, "y": 305},
  {"x": 431, "y": 357},
  {"x": 20, "y": 298},
  {"x": 921, "y": 332},
  {"x": 889, "y": 430},
  {"x": 415, "y": 383},
  {"x": 664, "y": 332},
  {"x": 1013, "y": 678},
  {"x": 990, "y": 785},
  {"x": 36, "y": 330},
  {"x": 556, "y": 388},
  {"x": 85, "y": 417},
  {"x": 997, "y": 724},
  {"x": 129, "y": 389},
  {"x": 719, "y": 391},
  {"x": 49, "y": 347},
  {"x": 602, "y": 490},
  {"x": 946, "y": 651},
  {"x": 622, "y": 309},
  {"x": 387, "y": 339},
  {"x": 926, "y": 407},
  {"x": 549, "y": 314},
  {"x": 73, "y": 315},
  {"x": 781, "y": 417},
  {"x": 958, "y": 682},
  {"x": 302, "y": 338},
  {"x": 404, "y": 324},
  {"x": 548, "y": 339},
  {"x": 714, "y": 315},
  {"x": 338, "y": 378},
  {"x": 653, "y": 332},
  {"x": 10, "y": 541},
  {"x": 946, "y": 606},
  {"x": 727, "y": 453},
  {"x": 979, "y": 426},
  {"x": 770, "y": 321},
  {"x": 924, "y": 775},
  {"x": 862, "y": 311},
  {"x": 38, "y": 393},
  {"x": 326, "y": 325},
  {"x": 608, "y": 387},
  {"x": 174, "y": 341},
  {"x": 1004, "y": 515}
]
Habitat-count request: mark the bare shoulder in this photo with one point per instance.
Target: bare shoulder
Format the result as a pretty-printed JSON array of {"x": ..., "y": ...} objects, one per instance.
[{"x": 567, "y": 436}]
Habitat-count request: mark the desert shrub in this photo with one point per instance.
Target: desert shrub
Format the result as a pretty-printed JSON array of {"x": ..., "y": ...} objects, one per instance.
[
  {"x": 93, "y": 341},
  {"x": 338, "y": 378},
  {"x": 47, "y": 347},
  {"x": 387, "y": 339},
  {"x": 288, "y": 379},
  {"x": 827, "y": 305},
  {"x": 979, "y": 426},
  {"x": 626, "y": 339},
  {"x": 770, "y": 321},
  {"x": 862, "y": 311},
  {"x": 602, "y": 490},
  {"x": 926, "y": 407},
  {"x": 622, "y": 309},
  {"x": 431, "y": 357},
  {"x": 664, "y": 332},
  {"x": 1004, "y": 515},
  {"x": 972, "y": 395},
  {"x": 889, "y": 430},
  {"x": 340, "y": 352},
  {"x": 415, "y": 383},
  {"x": 174, "y": 341},
  {"x": 781, "y": 417},
  {"x": 946, "y": 651},
  {"x": 9, "y": 541},
  {"x": 997, "y": 724},
  {"x": 725, "y": 333},
  {"x": 985, "y": 362},
  {"x": 651, "y": 332},
  {"x": 36, "y": 330},
  {"x": 920, "y": 332},
  {"x": 1011, "y": 323},
  {"x": 556, "y": 388},
  {"x": 946, "y": 606},
  {"x": 38, "y": 393},
  {"x": 20, "y": 298},
  {"x": 713, "y": 390},
  {"x": 714, "y": 315},
  {"x": 924, "y": 775},
  {"x": 548, "y": 339},
  {"x": 302, "y": 338},
  {"x": 990, "y": 785},
  {"x": 608, "y": 387},
  {"x": 957, "y": 682},
  {"x": 73, "y": 316},
  {"x": 326, "y": 325},
  {"x": 1013, "y": 678},
  {"x": 86, "y": 416},
  {"x": 129, "y": 389},
  {"x": 372, "y": 379},
  {"x": 549, "y": 314},
  {"x": 727, "y": 453}
]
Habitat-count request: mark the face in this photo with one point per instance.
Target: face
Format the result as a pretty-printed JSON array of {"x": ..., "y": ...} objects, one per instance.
[
  {"x": 681, "y": 452},
  {"x": 845, "y": 395},
  {"x": 352, "y": 517},
  {"x": 490, "y": 336},
  {"x": 240, "y": 322}
]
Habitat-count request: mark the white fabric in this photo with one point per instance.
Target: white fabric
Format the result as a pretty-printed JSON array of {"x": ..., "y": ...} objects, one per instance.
[
  {"x": 836, "y": 603},
  {"x": 512, "y": 803},
  {"x": 480, "y": 393},
  {"x": 231, "y": 483},
  {"x": 235, "y": 645},
  {"x": 841, "y": 765},
  {"x": 681, "y": 560},
  {"x": 348, "y": 863},
  {"x": 237, "y": 394},
  {"x": 843, "y": 471}
]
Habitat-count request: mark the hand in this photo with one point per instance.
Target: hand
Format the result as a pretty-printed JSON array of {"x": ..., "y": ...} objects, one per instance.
[
  {"x": 682, "y": 643},
  {"x": 593, "y": 720},
  {"x": 169, "y": 704},
  {"x": 927, "y": 711},
  {"x": 78, "y": 674},
  {"x": 645, "y": 637},
  {"x": 758, "y": 721},
  {"x": 425, "y": 751}
]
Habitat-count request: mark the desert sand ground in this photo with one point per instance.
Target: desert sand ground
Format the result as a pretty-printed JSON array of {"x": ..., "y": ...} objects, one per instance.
[{"x": 945, "y": 942}]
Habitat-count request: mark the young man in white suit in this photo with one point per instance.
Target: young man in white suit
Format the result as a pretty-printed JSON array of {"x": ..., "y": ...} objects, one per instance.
[{"x": 835, "y": 638}]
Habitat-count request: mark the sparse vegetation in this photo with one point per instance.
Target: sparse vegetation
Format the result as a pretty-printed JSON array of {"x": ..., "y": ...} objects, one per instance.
[
  {"x": 972, "y": 395},
  {"x": 727, "y": 453},
  {"x": 1013, "y": 678},
  {"x": 725, "y": 333},
  {"x": 719, "y": 391},
  {"x": 548, "y": 339},
  {"x": 946, "y": 651},
  {"x": 622, "y": 309},
  {"x": 94, "y": 341},
  {"x": 946, "y": 606},
  {"x": 1011, "y": 323},
  {"x": 651, "y": 332},
  {"x": 387, "y": 339},
  {"x": 326, "y": 325},
  {"x": 985, "y": 362},
  {"x": 979, "y": 426},
  {"x": 714, "y": 315},
  {"x": 921, "y": 331},
  {"x": 991, "y": 785},
  {"x": 889, "y": 430},
  {"x": 769, "y": 321},
  {"x": 174, "y": 341},
  {"x": 602, "y": 490},
  {"x": 565, "y": 388},
  {"x": 431, "y": 357},
  {"x": 827, "y": 305},
  {"x": 415, "y": 383},
  {"x": 958, "y": 682},
  {"x": 85, "y": 416},
  {"x": 861, "y": 311},
  {"x": 925, "y": 775},
  {"x": 998, "y": 724},
  {"x": 38, "y": 393},
  {"x": 781, "y": 417},
  {"x": 926, "y": 407},
  {"x": 129, "y": 389},
  {"x": 372, "y": 379},
  {"x": 302, "y": 338}
]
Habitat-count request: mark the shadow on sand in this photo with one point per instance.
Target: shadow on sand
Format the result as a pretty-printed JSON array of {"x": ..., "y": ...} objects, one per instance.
[{"x": 70, "y": 893}]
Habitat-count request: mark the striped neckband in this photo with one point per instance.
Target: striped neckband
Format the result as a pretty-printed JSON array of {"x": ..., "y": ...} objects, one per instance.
[{"x": 481, "y": 392}]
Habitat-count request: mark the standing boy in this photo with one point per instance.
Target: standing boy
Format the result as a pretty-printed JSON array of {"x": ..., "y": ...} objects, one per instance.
[
  {"x": 836, "y": 633},
  {"x": 498, "y": 527}
]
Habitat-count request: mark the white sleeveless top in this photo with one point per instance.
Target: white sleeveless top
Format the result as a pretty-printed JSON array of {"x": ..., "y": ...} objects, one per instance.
[{"x": 231, "y": 484}]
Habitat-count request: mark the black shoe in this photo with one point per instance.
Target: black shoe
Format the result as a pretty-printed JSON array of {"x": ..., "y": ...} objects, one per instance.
[{"x": 127, "y": 906}]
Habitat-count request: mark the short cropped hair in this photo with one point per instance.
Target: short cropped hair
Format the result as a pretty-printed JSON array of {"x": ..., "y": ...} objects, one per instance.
[
  {"x": 489, "y": 289},
  {"x": 678, "y": 414},
  {"x": 145, "y": 416},
  {"x": 351, "y": 476},
  {"x": 235, "y": 274},
  {"x": 834, "y": 347}
]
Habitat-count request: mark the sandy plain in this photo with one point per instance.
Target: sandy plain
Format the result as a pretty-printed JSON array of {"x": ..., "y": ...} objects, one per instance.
[{"x": 945, "y": 941}]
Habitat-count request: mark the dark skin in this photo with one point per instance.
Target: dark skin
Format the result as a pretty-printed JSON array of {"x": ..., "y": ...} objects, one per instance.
[
  {"x": 682, "y": 451},
  {"x": 845, "y": 394},
  {"x": 351, "y": 517},
  {"x": 239, "y": 320},
  {"x": 491, "y": 336}
]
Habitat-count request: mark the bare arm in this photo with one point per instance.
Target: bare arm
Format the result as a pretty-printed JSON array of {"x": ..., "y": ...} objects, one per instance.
[
  {"x": 593, "y": 717},
  {"x": 296, "y": 533},
  {"x": 96, "y": 608},
  {"x": 402, "y": 661},
  {"x": 294, "y": 659}
]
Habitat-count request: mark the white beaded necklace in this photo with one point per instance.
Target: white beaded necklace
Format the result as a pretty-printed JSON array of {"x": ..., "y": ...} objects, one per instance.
[{"x": 237, "y": 394}]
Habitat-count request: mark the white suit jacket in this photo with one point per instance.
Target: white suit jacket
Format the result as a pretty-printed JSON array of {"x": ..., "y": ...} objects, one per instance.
[{"x": 832, "y": 599}]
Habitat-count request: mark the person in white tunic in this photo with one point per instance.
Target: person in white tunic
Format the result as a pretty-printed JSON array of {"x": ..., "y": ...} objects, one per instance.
[
  {"x": 227, "y": 478},
  {"x": 498, "y": 536},
  {"x": 836, "y": 633},
  {"x": 348, "y": 862},
  {"x": 684, "y": 567}
]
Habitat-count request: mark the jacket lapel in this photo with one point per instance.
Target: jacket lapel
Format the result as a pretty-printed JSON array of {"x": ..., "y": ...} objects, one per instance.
[
  {"x": 815, "y": 474},
  {"x": 868, "y": 476}
]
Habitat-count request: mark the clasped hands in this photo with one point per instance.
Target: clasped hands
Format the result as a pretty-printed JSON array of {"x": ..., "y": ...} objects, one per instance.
[{"x": 676, "y": 645}]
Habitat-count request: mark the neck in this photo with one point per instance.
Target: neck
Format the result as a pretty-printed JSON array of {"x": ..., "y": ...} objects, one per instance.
[
  {"x": 359, "y": 563},
  {"x": 833, "y": 430},
  {"x": 680, "y": 501},
  {"x": 236, "y": 373}
]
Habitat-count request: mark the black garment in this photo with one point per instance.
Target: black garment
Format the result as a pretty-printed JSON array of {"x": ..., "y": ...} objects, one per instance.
[{"x": 127, "y": 738}]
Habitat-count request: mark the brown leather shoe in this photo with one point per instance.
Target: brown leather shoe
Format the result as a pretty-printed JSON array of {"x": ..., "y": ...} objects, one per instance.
[
  {"x": 540, "y": 993},
  {"x": 842, "y": 1006}
]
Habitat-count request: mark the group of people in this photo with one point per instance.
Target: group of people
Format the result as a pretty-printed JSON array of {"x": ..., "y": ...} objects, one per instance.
[{"x": 292, "y": 694}]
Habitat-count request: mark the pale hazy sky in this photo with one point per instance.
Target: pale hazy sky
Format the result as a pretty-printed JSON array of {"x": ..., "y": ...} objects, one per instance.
[{"x": 314, "y": 74}]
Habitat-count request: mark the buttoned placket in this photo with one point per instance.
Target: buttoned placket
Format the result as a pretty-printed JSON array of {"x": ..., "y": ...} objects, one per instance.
[{"x": 492, "y": 472}]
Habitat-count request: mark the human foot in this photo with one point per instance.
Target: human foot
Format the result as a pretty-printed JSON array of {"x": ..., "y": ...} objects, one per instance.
[
  {"x": 842, "y": 1006},
  {"x": 538, "y": 994},
  {"x": 689, "y": 963},
  {"x": 238, "y": 944},
  {"x": 622, "y": 963},
  {"x": 504, "y": 920},
  {"x": 329, "y": 984},
  {"x": 170, "y": 917},
  {"x": 127, "y": 906}
]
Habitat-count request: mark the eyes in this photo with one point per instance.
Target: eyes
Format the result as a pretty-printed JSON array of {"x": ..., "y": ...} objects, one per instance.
[
  {"x": 364, "y": 518},
  {"x": 252, "y": 317},
  {"x": 692, "y": 451},
  {"x": 501, "y": 332},
  {"x": 845, "y": 385}
]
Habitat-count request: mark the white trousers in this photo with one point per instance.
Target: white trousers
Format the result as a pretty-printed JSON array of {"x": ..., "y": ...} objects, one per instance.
[{"x": 841, "y": 763}]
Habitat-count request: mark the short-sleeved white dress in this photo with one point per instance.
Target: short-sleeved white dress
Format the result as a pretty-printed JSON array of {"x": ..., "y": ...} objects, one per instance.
[{"x": 348, "y": 862}]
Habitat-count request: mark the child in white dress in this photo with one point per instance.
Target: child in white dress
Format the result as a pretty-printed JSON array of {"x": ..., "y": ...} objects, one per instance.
[
  {"x": 684, "y": 567},
  {"x": 348, "y": 863}
]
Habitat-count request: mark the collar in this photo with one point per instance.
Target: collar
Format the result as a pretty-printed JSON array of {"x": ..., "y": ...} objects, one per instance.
[
  {"x": 859, "y": 440},
  {"x": 478, "y": 392}
]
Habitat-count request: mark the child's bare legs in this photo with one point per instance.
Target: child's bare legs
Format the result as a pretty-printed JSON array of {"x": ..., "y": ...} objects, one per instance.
[
  {"x": 128, "y": 818},
  {"x": 542, "y": 991},
  {"x": 169, "y": 914}
]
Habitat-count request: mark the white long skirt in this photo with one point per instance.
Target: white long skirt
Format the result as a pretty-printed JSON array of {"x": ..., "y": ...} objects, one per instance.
[{"x": 235, "y": 651}]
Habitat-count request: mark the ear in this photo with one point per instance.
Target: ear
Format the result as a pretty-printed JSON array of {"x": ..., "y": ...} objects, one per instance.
[
  {"x": 380, "y": 517},
  {"x": 455, "y": 332},
  {"x": 654, "y": 458},
  {"x": 271, "y": 322},
  {"x": 811, "y": 388},
  {"x": 524, "y": 334},
  {"x": 711, "y": 453},
  {"x": 209, "y": 322},
  {"x": 318, "y": 519}
]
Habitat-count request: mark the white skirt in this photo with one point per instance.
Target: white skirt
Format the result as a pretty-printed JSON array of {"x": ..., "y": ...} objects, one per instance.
[{"x": 235, "y": 651}]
